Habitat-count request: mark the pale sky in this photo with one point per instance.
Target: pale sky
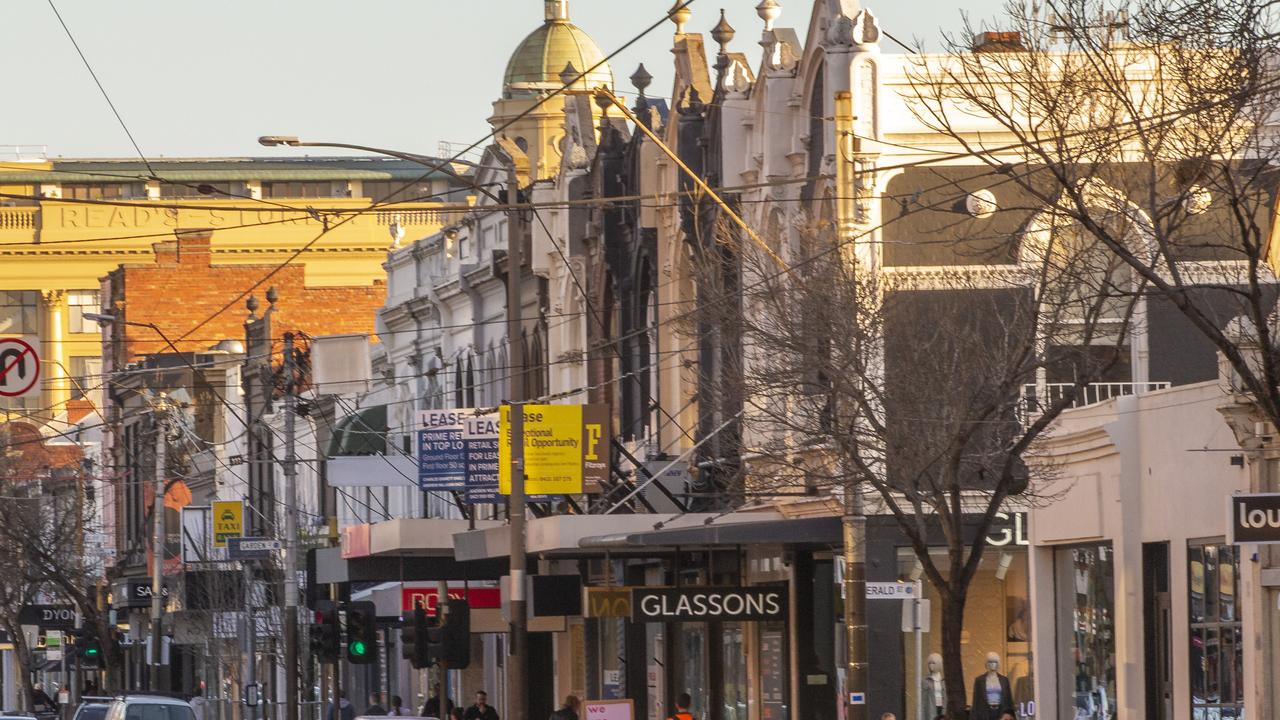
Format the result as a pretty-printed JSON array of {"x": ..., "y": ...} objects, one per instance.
[{"x": 204, "y": 78}]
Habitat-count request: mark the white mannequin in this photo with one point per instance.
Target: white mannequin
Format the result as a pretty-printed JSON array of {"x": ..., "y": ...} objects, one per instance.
[{"x": 933, "y": 695}]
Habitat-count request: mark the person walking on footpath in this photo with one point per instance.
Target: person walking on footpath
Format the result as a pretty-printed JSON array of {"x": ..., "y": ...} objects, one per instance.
[
  {"x": 397, "y": 708},
  {"x": 482, "y": 710},
  {"x": 683, "y": 702},
  {"x": 344, "y": 710},
  {"x": 375, "y": 705},
  {"x": 438, "y": 705},
  {"x": 569, "y": 711}
]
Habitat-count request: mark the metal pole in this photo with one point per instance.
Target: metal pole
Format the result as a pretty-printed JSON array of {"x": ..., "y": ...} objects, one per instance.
[
  {"x": 250, "y": 647},
  {"x": 290, "y": 536},
  {"x": 854, "y": 525},
  {"x": 517, "y": 665},
  {"x": 157, "y": 543},
  {"x": 917, "y": 604}
]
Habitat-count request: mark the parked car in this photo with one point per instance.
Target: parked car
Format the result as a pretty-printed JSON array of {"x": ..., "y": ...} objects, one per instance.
[
  {"x": 92, "y": 708},
  {"x": 149, "y": 707}
]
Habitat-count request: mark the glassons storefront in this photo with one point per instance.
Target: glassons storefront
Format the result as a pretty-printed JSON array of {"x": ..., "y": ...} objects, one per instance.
[{"x": 997, "y": 620}]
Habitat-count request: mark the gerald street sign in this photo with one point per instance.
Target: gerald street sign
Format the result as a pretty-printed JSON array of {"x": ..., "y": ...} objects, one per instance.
[
  {"x": 242, "y": 548},
  {"x": 890, "y": 591}
]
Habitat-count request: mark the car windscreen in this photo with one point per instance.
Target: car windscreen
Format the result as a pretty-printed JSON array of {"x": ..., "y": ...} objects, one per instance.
[
  {"x": 92, "y": 712},
  {"x": 157, "y": 711}
]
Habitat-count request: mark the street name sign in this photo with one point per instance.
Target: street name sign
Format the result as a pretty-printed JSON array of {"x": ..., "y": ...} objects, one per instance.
[
  {"x": 890, "y": 591},
  {"x": 243, "y": 548}
]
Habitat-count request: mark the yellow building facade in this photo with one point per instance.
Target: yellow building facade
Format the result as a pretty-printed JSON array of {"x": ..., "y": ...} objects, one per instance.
[{"x": 64, "y": 224}]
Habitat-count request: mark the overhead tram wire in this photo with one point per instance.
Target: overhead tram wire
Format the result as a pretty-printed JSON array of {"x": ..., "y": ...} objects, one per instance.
[{"x": 493, "y": 133}]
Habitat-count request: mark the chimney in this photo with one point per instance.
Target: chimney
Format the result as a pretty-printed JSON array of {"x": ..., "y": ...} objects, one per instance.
[
  {"x": 191, "y": 246},
  {"x": 1005, "y": 41}
]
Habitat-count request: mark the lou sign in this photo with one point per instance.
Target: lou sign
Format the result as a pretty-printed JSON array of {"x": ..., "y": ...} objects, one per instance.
[{"x": 1254, "y": 518}]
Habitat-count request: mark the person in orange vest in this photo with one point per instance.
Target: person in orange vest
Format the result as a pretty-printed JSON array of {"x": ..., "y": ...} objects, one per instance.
[{"x": 683, "y": 701}]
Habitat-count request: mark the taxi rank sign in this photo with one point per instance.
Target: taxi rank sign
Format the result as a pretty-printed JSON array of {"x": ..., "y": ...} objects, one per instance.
[
  {"x": 1254, "y": 518},
  {"x": 694, "y": 604}
]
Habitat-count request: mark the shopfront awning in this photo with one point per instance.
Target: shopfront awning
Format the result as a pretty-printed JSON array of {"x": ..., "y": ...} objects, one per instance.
[
  {"x": 363, "y": 432},
  {"x": 567, "y": 535},
  {"x": 331, "y": 567},
  {"x": 765, "y": 531}
]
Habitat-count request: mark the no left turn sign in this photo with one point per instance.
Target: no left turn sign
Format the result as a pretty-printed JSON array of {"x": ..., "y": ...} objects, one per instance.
[{"x": 19, "y": 368}]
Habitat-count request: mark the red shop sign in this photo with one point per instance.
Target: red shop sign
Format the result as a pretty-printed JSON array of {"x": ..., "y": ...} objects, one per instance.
[{"x": 478, "y": 597}]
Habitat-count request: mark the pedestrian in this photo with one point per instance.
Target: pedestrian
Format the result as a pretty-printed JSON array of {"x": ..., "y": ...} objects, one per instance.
[
  {"x": 455, "y": 714},
  {"x": 344, "y": 711},
  {"x": 683, "y": 702},
  {"x": 375, "y": 705},
  {"x": 1008, "y": 714},
  {"x": 482, "y": 710},
  {"x": 438, "y": 706},
  {"x": 40, "y": 700},
  {"x": 888, "y": 716},
  {"x": 397, "y": 707},
  {"x": 569, "y": 711}
]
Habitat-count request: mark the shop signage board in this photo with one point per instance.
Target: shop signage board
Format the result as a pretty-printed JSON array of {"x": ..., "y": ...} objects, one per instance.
[
  {"x": 228, "y": 521},
  {"x": 1254, "y": 518},
  {"x": 442, "y": 454},
  {"x": 479, "y": 598},
  {"x": 695, "y": 604},
  {"x": 610, "y": 710},
  {"x": 480, "y": 444},
  {"x": 48, "y": 616},
  {"x": 19, "y": 367},
  {"x": 565, "y": 447},
  {"x": 606, "y": 602},
  {"x": 890, "y": 591}
]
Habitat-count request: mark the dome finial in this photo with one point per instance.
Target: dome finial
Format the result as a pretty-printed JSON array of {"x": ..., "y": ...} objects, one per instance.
[
  {"x": 640, "y": 79},
  {"x": 768, "y": 10},
  {"x": 556, "y": 10}
]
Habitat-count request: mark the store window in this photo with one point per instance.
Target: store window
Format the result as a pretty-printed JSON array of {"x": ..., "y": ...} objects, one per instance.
[
  {"x": 19, "y": 312},
  {"x": 388, "y": 191},
  {"x": 1086, "y": 632},
  {"x": 201, "y": 190},
  {"x": 1217, "y": 643},
  {"x": 80, "y": 302},
  {"x": 997, "y": 620},
  {"x": 323, "y": 189},
  {"x": 104, "y": 191},
  {"x": 773, "y": 672},
  {"x": 735, "y": 671},
  {"x": 86, "y": 378}
]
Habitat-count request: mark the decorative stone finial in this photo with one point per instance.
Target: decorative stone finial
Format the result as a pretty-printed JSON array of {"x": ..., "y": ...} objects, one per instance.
[
  {"x": 680, "y": 14},
  {"x": 251, "y": 305},
  {"x": 640, "y": 79},
  {"x": 768, "y": 10},
  {"x": 568, "y": 74},
  {"x": 272, "y": 295},
  {"x": 722, "y": 33}
]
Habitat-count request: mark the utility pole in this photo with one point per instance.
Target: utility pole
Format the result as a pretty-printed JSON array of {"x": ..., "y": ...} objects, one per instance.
[
  {"x": 157, "y": 539},
  {"x": 249, "y": 694},
  {"x": 290, "y": 535},
  {"x": 517, "y": 650}
]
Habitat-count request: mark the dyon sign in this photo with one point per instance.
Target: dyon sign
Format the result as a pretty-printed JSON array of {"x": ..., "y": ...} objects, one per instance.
[{"x": 1254, "y": 518}]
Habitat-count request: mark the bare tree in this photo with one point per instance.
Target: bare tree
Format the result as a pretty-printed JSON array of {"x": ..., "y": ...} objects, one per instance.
[
  {"x": 1167, "y": 109},
  {"x": 920, "y": 394}
]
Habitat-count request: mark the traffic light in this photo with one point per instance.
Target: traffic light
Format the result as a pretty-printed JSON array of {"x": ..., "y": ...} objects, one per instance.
[
  {"x": 362, "y": 633},
  {"x": 324, "y": 632},
  {"x": 88, "y": 646},
  {"x": 450, "y": 643},
  {"x": 457, "y": 635},
  {"x": 413, "y": 638}
]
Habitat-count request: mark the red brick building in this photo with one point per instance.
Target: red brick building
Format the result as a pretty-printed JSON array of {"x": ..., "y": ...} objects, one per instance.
[{"x": 184, "y": 288}]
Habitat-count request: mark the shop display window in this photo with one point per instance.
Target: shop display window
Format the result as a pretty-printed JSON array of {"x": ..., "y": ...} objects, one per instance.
[
  {"x": 997, "y": 620},
  {"x": 1216, "y": 632},
  {"x": 1085, "y": 600}
]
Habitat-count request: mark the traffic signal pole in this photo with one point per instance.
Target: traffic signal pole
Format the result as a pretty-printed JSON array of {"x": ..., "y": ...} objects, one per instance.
[
  {"x": 290, "y": 536},
  {"x": 157, "y": 543}
]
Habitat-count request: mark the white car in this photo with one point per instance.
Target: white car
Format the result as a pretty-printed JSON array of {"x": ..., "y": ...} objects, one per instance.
[{"x": 149, "y": 707}]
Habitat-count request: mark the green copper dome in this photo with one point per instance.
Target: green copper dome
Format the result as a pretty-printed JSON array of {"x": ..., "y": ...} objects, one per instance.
[{"x": 542, "y": 56}]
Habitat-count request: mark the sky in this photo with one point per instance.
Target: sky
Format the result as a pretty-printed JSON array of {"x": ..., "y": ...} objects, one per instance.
[{"x": 200, "y": 78}]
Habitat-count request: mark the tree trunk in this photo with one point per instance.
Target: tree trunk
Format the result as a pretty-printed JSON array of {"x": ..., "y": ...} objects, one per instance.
[{"x": 953, "y": 603}]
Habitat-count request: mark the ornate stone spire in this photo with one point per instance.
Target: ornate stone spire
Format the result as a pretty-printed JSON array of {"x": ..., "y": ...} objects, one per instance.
[
  {"x": 723, "y": 33},
  {"x": 556, "y": 10}
]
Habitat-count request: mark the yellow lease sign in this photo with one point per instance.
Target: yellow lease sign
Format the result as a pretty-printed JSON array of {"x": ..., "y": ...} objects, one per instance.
[
  {"x": 228, "y": 521},
  {"x": 557, "y": 445}
]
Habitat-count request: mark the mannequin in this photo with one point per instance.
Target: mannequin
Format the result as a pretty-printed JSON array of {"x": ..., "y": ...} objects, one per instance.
[
  {"x": 991, "y": 692},
  {"x": 933, "y": 690}
]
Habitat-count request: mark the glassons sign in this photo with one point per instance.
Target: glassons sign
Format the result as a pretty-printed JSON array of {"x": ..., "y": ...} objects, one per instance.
[{"x": 768, "y": 602}]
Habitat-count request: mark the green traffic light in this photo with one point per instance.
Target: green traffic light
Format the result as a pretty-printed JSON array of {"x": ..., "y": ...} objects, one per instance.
[
  {"x": 91, "y": 652},
  {"x": 358, "y": 648}
]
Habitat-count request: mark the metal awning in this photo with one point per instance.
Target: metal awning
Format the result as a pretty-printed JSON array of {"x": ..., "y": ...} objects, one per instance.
[
  {"x": 363, "y": 432},
  {"x": 767, "y": 531}
]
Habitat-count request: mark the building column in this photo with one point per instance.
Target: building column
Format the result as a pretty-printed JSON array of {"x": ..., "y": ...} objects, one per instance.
[{"x": 53, "y": 352}]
